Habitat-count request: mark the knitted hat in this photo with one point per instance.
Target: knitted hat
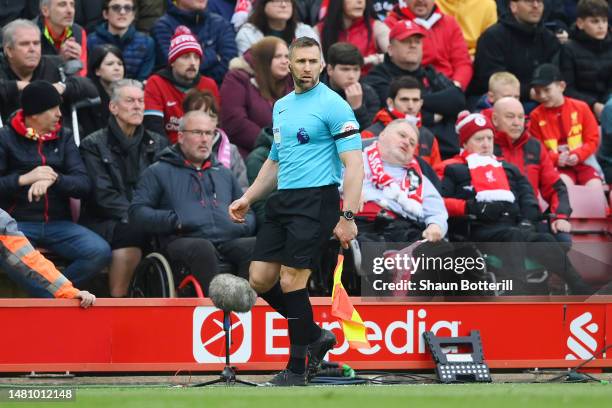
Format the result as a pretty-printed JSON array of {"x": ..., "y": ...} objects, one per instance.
[
  {"x": 183, "y": 42},
  {"x": 38, "y": 97},
  {"x": 470, "y": 123}
]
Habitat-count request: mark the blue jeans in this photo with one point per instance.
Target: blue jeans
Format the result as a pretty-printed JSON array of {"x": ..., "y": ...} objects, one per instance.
[{"x": 86, "y": 250}]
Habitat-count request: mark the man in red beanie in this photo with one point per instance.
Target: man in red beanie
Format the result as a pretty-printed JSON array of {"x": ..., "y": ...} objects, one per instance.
[
  {"x": 501, "y": 204},
  {"x": 165, "y": 90}
]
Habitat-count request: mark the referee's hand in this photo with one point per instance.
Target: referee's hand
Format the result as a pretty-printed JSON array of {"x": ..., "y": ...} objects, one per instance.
[
  {"x": 345, "y": 231},
  {"x": 238, "y": 210}
]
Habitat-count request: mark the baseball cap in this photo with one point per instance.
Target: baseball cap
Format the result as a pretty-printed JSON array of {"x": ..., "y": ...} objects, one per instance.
[
  {"x": 404, "y": 29},
  {"x": 546, "y": 74}
]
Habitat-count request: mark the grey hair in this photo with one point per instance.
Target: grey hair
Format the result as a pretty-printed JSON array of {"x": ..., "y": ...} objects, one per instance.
[
  {"x": 123, "y": 83},
  {"x": 410, "y": 123},
  {"x": 44, "y": 3},
  {"x": 8, "y": 32},
  {"x": 189, "y": 114},
  {"x": 303, "y": 42}
]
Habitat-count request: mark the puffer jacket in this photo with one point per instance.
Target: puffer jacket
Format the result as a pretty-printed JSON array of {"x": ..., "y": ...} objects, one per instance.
[
  {"x": 138, "y": 49},
  {"x": 177, "y": 199},
  {"x": 216, "y": 36}
]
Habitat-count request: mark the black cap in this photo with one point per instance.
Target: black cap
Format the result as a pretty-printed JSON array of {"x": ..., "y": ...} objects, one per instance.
[
  {"x": 39, "y": 96},
  {"x": 545, "y": 75}
]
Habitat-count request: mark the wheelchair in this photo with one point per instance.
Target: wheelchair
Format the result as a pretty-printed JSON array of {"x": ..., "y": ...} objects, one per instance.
[{"x": 156, "y": 276}]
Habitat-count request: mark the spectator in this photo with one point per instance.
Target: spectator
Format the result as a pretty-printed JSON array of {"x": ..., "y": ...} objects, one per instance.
[
  {"x": 255, "y": 81},
  {"x": 518, "y": 43},
  {"x": 554, "y": 18},
  {"x": 353, "y": 21},
  {"x": 344, "y": 63},
  {"x": 185, "y": 198},
  {"x": 60, "y": 35},
  {"x": 515, "y": 145},
  {"x": 115, "y": 157},
  {"x": 473, "y": 16},
  {"x": 402, "y": 187},
  {"x": 105, "y": 69},
  {"x": 442, "y": 100},
  {"x": 15, "y": 9},
  {"x": 225, "y": 152},
  {"x": 216, "y": 36},
  {"x": 586, "y": 60},
  {"x": 22, "y": 63},
  {"x": 566, "y": 126},
  {"x": 503, "y": 204},
  {"x": 148, "y": 12},
  {"x": 40, "y": 169},
  {"x": 137, "y": 48},
  {"x": 405, "y": 102},
  {"x": 254, "y": 162},
  {"x": 443, "y": 45},
  {"x": 272, "y": 17},
  {"x": 32, "y": 271},
  {"x": 501, "y": 84},
  {"x": 88, "y": 14},
  {"x": 165, "y": 90},
  {"x": 224, "y": 8}
]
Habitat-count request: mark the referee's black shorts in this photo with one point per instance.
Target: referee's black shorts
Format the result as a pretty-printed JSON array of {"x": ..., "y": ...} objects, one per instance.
[{"x": 298, "y": 225}]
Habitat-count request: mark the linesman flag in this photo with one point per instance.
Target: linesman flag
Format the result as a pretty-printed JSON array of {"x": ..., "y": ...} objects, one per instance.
[{"x": 353, "y": 327}]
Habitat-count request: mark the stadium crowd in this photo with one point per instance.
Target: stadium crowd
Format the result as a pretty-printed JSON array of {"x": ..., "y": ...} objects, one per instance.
[{"x": 127, "y": 120}]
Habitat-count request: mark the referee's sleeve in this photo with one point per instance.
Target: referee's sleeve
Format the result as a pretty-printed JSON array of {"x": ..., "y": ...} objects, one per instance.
[{"x": 343, "y": 126}]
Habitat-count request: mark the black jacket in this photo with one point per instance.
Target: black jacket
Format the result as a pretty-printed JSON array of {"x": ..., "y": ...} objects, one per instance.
[
  {"x": 369, "y": 104},
  {"x": 174, "y": 198},
  {"x": 77, "y": 88},
  {"x": 586, "y": 65},
  {"x": 13, "y": 9},
  {"x": 440, "y": 96},
  {"x": 514, "y": 47},
  {"x": 19, "y": 155},
  {"x": 114, "y": 173},
  {"x": 88, "y": 13}
]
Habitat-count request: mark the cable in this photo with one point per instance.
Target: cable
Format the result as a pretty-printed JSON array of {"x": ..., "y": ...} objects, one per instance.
[{"x": 574, "y": 376}]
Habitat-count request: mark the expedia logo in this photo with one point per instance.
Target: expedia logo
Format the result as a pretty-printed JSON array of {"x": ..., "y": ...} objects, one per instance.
[
  {"x": 580, "y": 342},
  {"x": 209, "y": 336}
]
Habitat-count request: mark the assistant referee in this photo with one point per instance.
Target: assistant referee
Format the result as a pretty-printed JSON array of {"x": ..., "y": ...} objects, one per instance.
[{"x": 315, "y": 134}]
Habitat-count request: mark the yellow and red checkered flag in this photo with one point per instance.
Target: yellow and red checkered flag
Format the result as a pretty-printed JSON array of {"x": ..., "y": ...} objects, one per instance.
[{"x": 353, "y": 327}]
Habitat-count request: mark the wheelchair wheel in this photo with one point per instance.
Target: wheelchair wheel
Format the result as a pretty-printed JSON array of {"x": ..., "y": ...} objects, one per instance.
[{"x": 153, "y": 278}]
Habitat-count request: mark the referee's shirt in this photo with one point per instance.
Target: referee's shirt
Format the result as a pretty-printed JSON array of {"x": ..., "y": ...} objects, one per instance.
[{"x": 310, "y": 130}]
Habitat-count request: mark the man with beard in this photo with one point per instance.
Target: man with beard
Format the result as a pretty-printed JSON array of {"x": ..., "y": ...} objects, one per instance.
[
  {"x": 315, "y": 134},
  {"x": 165, "y": 90}
]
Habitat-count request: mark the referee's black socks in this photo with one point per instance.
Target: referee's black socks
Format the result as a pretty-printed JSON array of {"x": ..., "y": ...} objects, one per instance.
[
  {"x": 276, "y": 299},
  {"x": 299, "y": 319}
]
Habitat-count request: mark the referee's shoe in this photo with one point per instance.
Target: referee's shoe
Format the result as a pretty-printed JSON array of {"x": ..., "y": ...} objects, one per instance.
[{"x": 316, "y": 352}]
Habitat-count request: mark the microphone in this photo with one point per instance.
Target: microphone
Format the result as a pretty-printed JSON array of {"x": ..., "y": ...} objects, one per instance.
[{"x": 231, "y": 293}]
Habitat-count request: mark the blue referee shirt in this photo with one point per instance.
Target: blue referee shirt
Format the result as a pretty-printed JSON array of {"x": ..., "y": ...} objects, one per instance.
[{"x": 310, "y": 130}]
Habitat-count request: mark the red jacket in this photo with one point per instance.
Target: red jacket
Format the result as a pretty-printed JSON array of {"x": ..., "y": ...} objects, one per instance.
[
  {"x": 572, "y": 124},
  {"x": 530, "y": 156},
  {"x": 357, "y": 34},
  {"x": 443, "y": 47}
]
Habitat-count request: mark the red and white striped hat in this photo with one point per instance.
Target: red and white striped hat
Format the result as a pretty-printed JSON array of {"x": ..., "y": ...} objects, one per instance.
[
  {"x": 182, "y": 42},
  {"x": 470, "y": 123}
]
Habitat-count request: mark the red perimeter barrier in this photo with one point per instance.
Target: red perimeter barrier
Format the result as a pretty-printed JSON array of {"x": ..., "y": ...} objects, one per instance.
[{"x": 186, "y": 334}]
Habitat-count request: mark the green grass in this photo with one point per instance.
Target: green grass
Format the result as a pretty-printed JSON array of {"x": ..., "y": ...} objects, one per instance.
[{"x": 406, "y": 396}]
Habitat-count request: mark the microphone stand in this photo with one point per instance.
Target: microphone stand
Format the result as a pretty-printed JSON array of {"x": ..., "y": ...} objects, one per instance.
[{"x": 228, "y": 375}]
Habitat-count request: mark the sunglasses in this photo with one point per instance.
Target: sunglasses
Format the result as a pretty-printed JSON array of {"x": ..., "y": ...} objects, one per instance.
[{"x": 118, "y": 7}]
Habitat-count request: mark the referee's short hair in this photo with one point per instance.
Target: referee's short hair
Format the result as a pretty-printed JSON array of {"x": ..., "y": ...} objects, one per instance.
[{"x": 303, "y": 42}]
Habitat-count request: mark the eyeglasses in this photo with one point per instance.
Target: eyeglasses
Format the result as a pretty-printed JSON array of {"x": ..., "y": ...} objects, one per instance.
[
  {"x": 200, "y": 132},
  {"x": 117, "y": 8}
]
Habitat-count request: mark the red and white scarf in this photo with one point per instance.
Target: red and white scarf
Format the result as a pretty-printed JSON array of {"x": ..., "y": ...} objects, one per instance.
[
  {"x": 411, "y": 187},
  {"x": 488, "y": 178}
]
